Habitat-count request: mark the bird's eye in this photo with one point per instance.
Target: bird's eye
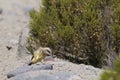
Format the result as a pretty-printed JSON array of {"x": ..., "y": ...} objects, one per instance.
[
  {"x": 32, "y": 57},
  {"x": 48, "y": 51}
]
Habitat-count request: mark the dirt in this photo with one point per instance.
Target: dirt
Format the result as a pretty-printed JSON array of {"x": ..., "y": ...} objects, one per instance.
[{"x": 13, "y": 19}]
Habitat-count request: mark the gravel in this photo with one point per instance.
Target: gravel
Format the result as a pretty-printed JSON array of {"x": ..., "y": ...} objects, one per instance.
[
  {"x": 62, "y": 70},
  {"x": 14, "y": 19}
]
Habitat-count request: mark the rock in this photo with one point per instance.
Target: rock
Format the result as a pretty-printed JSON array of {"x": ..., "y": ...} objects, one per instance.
[
  {"x": 75, "y": 77},
  {"x": 22, "y": 50},
  {"x": 1, "y": 19},
  {"x": 47, "y": 76},
  {"x": 38, "y": 77},
  {"x": 1, "y": 10},
  {"x": 11, "y": 13},
  {"x": 49, "y": 58},
  {"x": 66, "y": 76},
  {"x": 9, "y": 47},
  {"x": 27, "y": 68},
  {"x": 14, "y": 41},
  {"x": 27, "y": 10},
  {"x": 111, "y": 57},
  {"x": 61, "y": 70}
]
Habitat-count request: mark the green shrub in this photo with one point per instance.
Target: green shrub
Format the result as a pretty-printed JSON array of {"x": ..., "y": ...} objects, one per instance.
[
  {"x": 112, "y": 74},
  {"x": 116, "y": 27},
  {"x": 76, "y": 30}
]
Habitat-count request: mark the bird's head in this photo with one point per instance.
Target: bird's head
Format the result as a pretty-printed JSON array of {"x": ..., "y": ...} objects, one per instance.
[{"x": 47, "y": 51}]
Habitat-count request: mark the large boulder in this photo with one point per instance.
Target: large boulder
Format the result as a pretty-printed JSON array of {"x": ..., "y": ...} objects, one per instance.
[
  {"x": 46, "y": 76},
  {"x": 27, "y": 68},
  {"x": 22, "y": 50},
  {"x": 56, "y": 70}
]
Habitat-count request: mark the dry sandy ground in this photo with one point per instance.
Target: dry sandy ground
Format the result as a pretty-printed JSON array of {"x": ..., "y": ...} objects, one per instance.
[{"x": 13, "y": 20}]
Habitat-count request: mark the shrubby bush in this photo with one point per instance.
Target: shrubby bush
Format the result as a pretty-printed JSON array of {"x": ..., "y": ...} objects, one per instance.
[
  {"x": 113, "y": 74},
  {"x": 77, "y": 30}
]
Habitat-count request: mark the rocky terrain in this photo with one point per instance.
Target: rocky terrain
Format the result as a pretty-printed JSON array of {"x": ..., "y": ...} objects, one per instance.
[
  {"x": 14, "y": 19},
  {"x": 61, "y": 70},
  {"x": 14, "y": 23}
]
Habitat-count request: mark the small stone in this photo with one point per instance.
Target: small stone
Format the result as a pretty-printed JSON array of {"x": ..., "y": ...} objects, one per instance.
[
  {"x": 9, "y": 47},
  {"x": 75, "y": 77},
  {"x": 1, "y": 10},
  {"x": 14, "y": 42},
  {"x": 1, "y": 19},
  {"x": 27, "y": 9},
  {"x": 49, "y": 58}
]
